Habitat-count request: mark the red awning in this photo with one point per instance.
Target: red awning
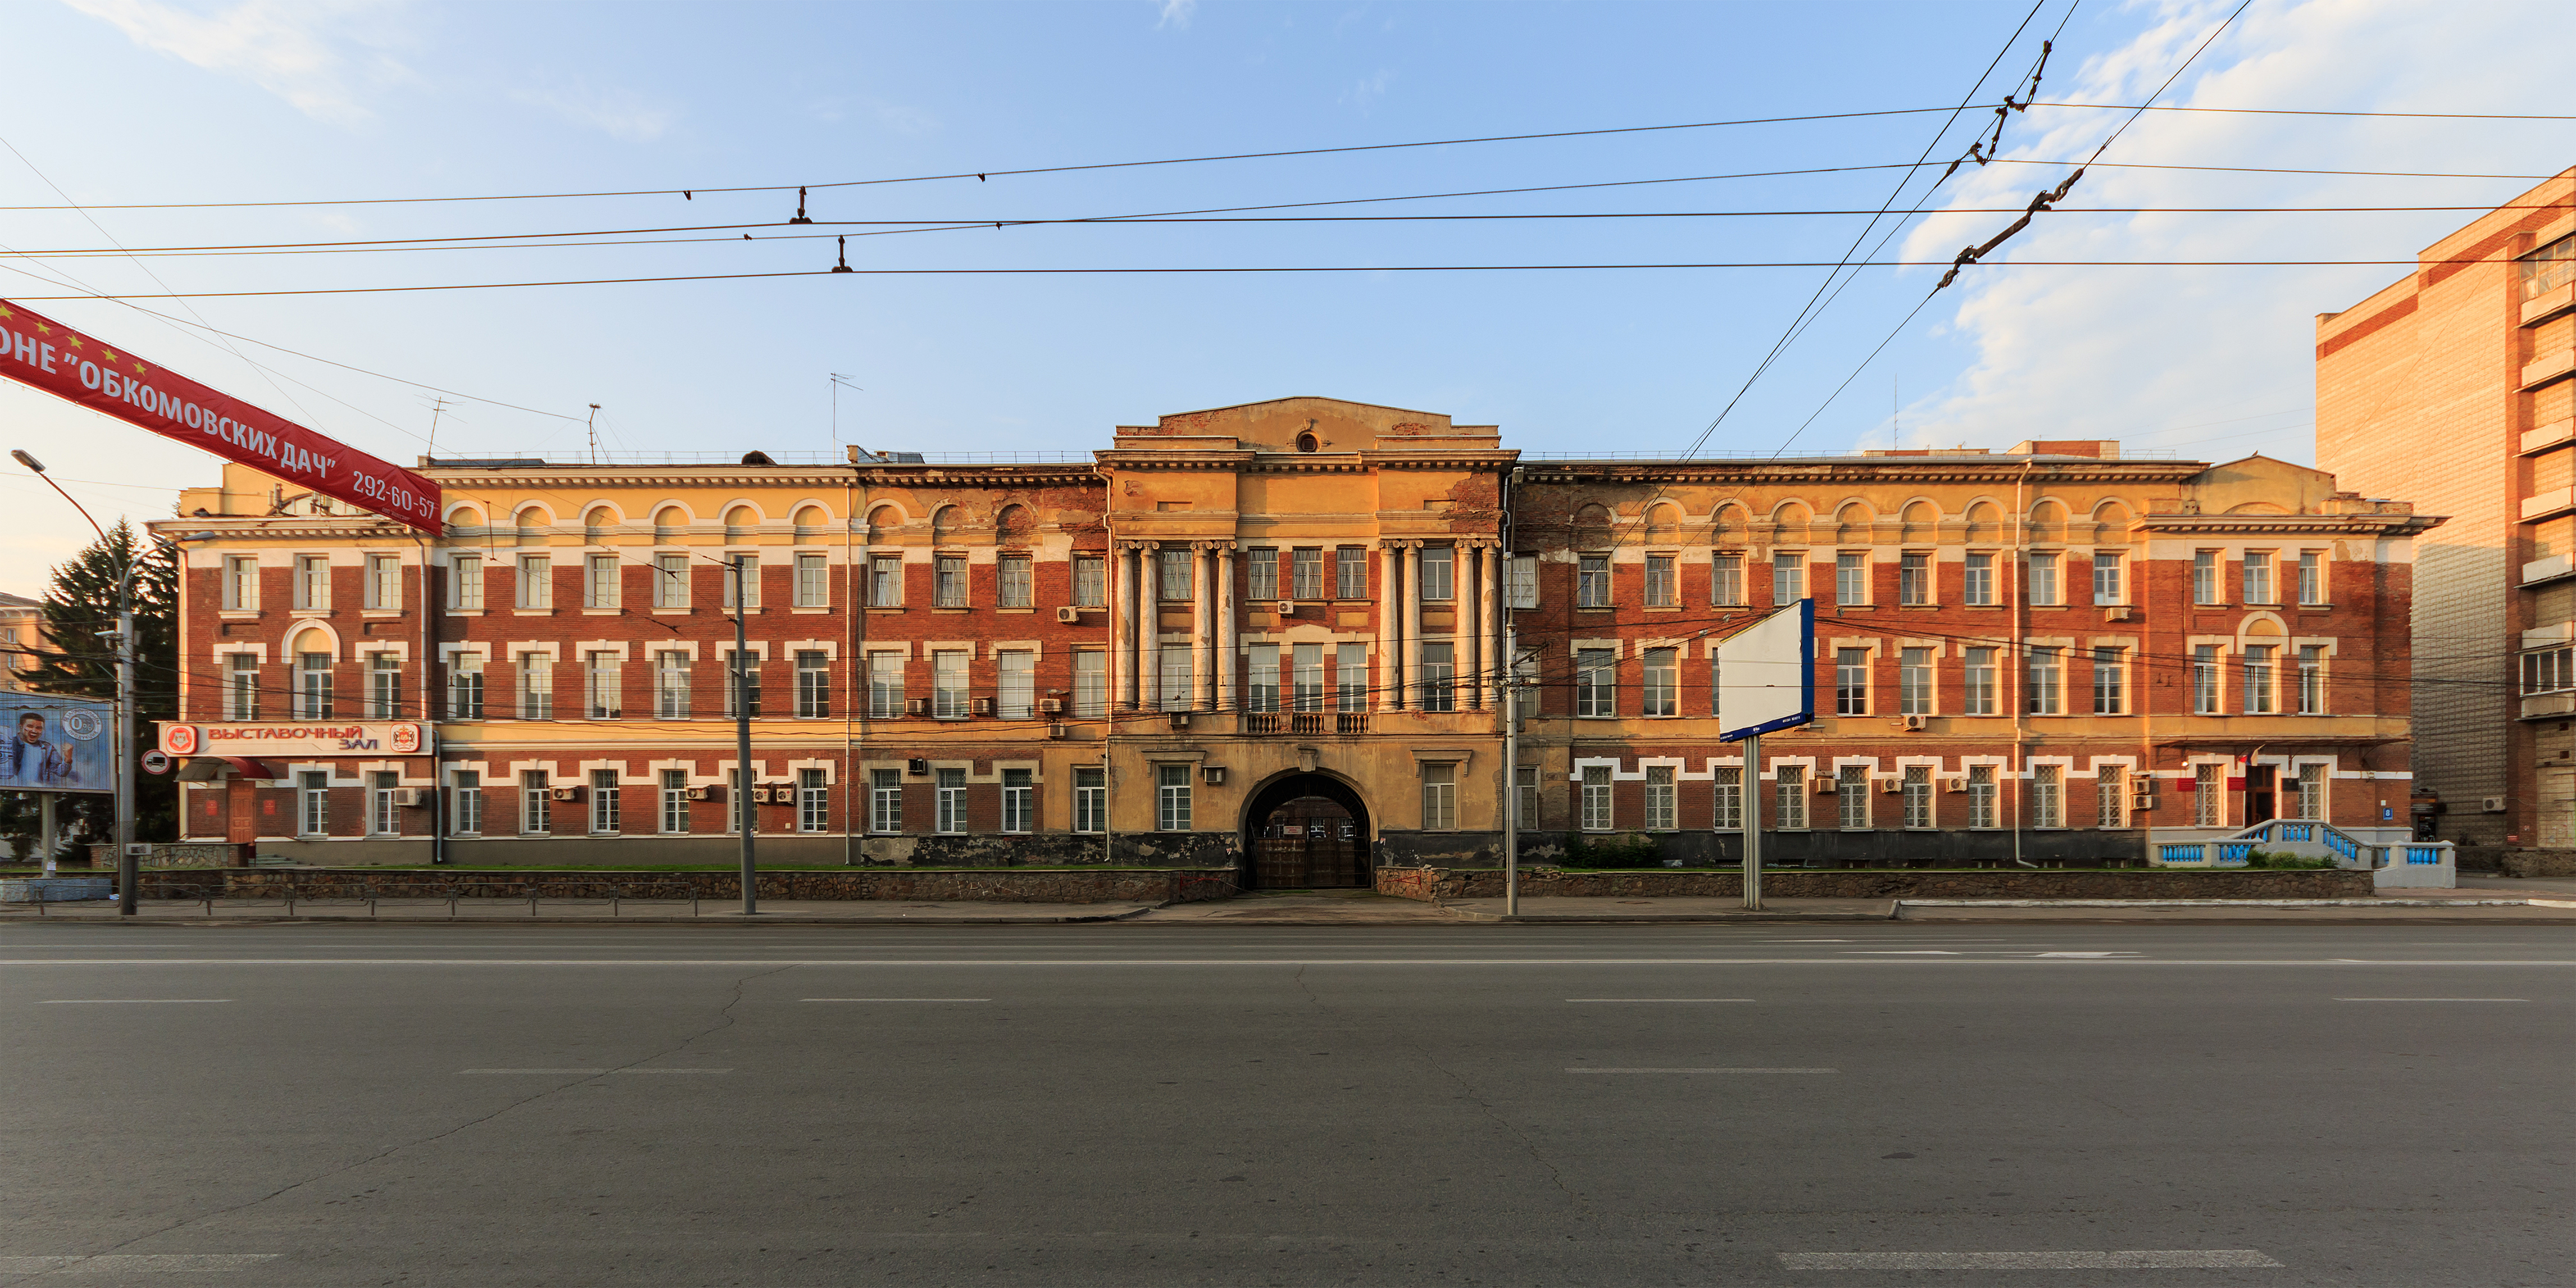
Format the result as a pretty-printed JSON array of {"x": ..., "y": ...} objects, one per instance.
[{"x": 207, "y": 769}]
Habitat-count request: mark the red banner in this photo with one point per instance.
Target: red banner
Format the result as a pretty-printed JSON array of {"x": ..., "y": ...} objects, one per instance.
[{"x": 59, "y": 360}]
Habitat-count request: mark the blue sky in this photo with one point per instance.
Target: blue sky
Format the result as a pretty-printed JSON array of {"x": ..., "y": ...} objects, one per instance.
[{"x": 153, "y": 101}]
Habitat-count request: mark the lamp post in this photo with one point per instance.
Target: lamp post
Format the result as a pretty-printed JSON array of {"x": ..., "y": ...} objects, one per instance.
[{"x": 742, "y": 734}]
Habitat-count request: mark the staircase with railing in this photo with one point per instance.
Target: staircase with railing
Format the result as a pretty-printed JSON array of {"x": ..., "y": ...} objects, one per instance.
[{"x": 2417, "y": 864}]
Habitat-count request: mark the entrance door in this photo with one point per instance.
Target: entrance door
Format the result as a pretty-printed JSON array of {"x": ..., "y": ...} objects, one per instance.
[
  {"x": 2557, "y": 821},
  {"x": 1310, "y": 843},
  {"x": 2262, "y": 787}
]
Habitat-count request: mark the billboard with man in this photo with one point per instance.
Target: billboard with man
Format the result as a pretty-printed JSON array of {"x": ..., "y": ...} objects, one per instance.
[{"x": 56, "y": 744}]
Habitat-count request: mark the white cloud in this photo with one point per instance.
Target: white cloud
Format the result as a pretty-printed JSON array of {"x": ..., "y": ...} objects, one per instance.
[
  {"x": 1176, "y": 13},
  {"x": 617, "y": 113},
  {"x": 1370, "y": 89},
  {"x": 2217, "y": 362},
  {"x": 320, "y": 55}
]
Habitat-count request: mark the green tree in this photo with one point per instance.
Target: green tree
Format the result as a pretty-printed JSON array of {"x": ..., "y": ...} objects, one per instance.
[{"x": 73, "y": 659}]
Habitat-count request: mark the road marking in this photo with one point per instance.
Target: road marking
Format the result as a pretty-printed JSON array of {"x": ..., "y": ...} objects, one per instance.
[
  {"x": 121, "y": 1263},
  {"x": 2179, "y": 1259},
  {"x": 1659, "y": 999},
  {"x": 592, "y": 1072},
  {"x": 894, "y": 999},
  {"x": 1703, "y": 1071},
  {"x": 1060, "y": 963},
  {"x": 128, "y": 1001},
  {"x": 2432, "y": 999}
]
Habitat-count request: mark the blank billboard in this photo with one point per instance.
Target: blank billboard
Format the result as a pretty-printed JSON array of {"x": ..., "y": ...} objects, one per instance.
[{"x": 1766, "y": 674}]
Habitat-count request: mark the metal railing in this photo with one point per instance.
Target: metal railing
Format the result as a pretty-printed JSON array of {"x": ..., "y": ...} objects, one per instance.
[{"x": 1302, "y": 724}]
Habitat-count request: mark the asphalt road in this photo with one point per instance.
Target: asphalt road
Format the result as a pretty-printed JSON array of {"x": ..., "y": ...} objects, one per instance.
[{"x": 2055, "y": 1106}]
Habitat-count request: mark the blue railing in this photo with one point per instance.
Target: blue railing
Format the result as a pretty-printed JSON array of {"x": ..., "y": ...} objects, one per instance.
[
  {"x": 2180, "y": 853},
  {"x": 2423, "y": 854},
  {"x": 2295, "y": 832},
  {"x": 2344, "y": 846},
  {"x": 2235, "y": 851}
]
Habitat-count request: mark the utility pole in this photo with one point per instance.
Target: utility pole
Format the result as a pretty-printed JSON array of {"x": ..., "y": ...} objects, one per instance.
[
  {"x": 129, "y": 871},
  {"x": 742, "y": 738}
]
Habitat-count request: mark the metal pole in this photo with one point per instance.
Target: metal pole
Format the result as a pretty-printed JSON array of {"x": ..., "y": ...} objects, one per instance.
[
  {"x": 742, "y": 738},
  {"x": 1753, "y": 823},
  {"x": 128, "y": 871},
  {"x": 1511, "y": 774}
]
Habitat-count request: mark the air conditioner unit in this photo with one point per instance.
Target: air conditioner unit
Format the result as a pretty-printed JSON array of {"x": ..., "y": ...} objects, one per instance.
[
  {"x": 1891, "y": 786},
  {"x": 917, "y": 768},
  {"x": 1825, "y": 785},
  {"x": 2119, "y": 614},
  {"x": 1287, "y": 608},
  {"x": 1068, "y": 614},
  {"x": 1916, "y": 724},
  {"x": 2492, "y": 804},
  {"x": 1954, "y": 784},
  {"x": 917, "y": 707},
  {"x": 983, "y": 706},
  {"x": 706, "y": 793},
  {"x": 408, "y": 796},
  {"x": 1212, "y": 774},
  {"x": 759, "y": 795},
  {"x": 1180, "y": 719},
  {"x": 567, "y": 793},
  {"x": 1050, "y": 706},
  {"x": 2142, "y": 802},
  {"x": 1059, "y": 731}
]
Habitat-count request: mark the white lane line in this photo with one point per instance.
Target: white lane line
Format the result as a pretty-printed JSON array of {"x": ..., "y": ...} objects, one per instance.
[
  {"x": 1060, "y": 963},
  {"x": 1659, "y": 999},
  {"x": 129, "y": 1001},
  {"x": 1703, "y": 1071},
  {"x": 120, "y": 1263},
  {"x": 591, "y": 1072},
  {"x": 2176, "y": 1259},
  {"x": 2432, "y": 999},
  {"x": 894, "y": 999}
]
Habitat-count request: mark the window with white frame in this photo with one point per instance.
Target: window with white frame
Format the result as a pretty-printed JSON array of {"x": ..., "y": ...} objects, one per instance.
[
  {"x": 1350, "y": 677},
  {"x": 1171, "y": 798},
  {"x": 1090, "y": 581},
  {"x": 1918, "y": 796},
  {"x": 813, "y": 802},
  {"x": 465, "y": 801},
  {"x": 2312, "y": 577},
  {"x": 885, "y": 581},
  {"x": 1019, "y": 798},
  {"x": 1914, "y": 578},
  {"x": 1592, "y": 581},
  {"x": 885, "y": 800},
  {"x": 675, "y": 802},
  {"x": 2204, "y": 680},
  {"x": 671, "y": 685},
  {"x": 1788, "y": 578},
  {"x": 1350, "y": 572},
  {"x": 1525, "y": 795},
  {"x": 1264, "y": 690},
  {"x": 604, "y": 803},
  {"x": 2110, "y": 681},
  {"x": 1261, "y": 573},
  {"x": 2047, "y": 796},
  {"x": 2204, "y": 576},
  {"x": 1977, "y": 581},
  {"x": 1174, "y": 582},
  {"x": 1730, "y": 799},
  {"x": 465, "y": 686},
  {"x": 1306, "y": 676},
  {"x": 2110, "y": 796},
  {"x": 2549, "y": 670},
  {"x": 2258, "y": 577},
  {"x": 313, "y": 797},
  {"x": 1596, "y": 798},
  {"x": 1663, "y": 588},
  {"x": 2312, "y": 679},
  {"x": 814, "y": 581},
  {"x": 241, "y": 582},
  {"x": 1851, "y": 795},
  {"x": 1981, "y": 796},
  {"x": 2208, "y": 806},
  {"x": 2258, "y": 680},
  {"x": 742, "y": 684},
  {"x": 1306, "y": 572},
  {"x": 384, "y": 686},
  {"x": 2043, "y": 687},
  {"x": 813, "y": 684},
  {"x": 603, "y": 685},
  {"x": 1789, "y": 797},
  {"x": 742, "y": 581},
  {"x": 2045, "y": 587},
  {"x": 948, "y": 684},
  {"x": 1851, "y": 578},
  {"x": 2310, "y": 800},
  {"x": 241, "y": 686},
  {"x": 536, "y": 582},
  {"x": 1851, "y": 681},
  {"x": 1016, "y": 688},
  {"x": 1174, "y": 679},
  {"x": 313, "y": 686},
  {"x": 313, "y": 583},
  {"x": 1091, "y": 683},
  {"x": 1439, "y": 676},
  {"x": 1439, "y": 573},
  {"x": 739, "y": 814},
  {"x": 1914, "y": 681},
  {"x": 1090, "y": 800},
  {"x": 670, "y": 581},
  {"x": 1014, "y": 582},
  {"x": 384, "y": 818},
  {"x": 599, "y": 588},
  {"x": 536, "y": 803},
  {"x": 950, "y": 784},
  {"x": 1596, "y": 682},
  {"x": 384, "y": 582},
  {"x": 536, "y": 698},
  {"x": 2108, "y": 585},
  {"x": 1661, "y": 811},
  {"x": 1726, "y": 578},
  {"x": 885, "y": 685},
  {"x": 465, "y": 583},
  {"x": 1977, "y": 688},
  {"x": 1663, "y": 682},
  {"x": 1439, "y": 798}
]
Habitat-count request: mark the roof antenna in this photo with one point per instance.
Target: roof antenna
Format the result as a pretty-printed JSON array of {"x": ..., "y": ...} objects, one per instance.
[
  {"x": 593, "y": 426},
  {"x": 844, "y": 265},
  {"x": 839, "y": 380},
  {"x": 800, "y": 209}
]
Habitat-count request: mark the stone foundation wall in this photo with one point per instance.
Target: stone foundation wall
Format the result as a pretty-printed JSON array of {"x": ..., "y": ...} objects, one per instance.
[
  {"x": 1436, "y": 884},
  {"x": 999, "y": 885},
  {"x": 2535, "y": 863}
]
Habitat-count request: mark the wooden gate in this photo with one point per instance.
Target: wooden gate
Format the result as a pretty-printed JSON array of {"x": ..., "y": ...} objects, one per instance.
[{"x": 1307, "y": 863}]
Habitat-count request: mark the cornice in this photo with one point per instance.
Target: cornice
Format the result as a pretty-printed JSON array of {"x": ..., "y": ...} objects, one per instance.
[
  {"x": 2370, "y": 524},
  {"x": 1907, "y": 471}
]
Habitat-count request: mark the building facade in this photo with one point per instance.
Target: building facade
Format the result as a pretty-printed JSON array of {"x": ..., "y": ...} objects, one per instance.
[
  {"x": 2456, "y": 388},
  {"x": 1285, "y": 638},
  {"x": 21, "y": 634}
]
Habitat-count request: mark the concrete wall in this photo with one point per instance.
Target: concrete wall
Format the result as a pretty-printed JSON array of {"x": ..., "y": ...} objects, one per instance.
[{"x": 1443, "y": 883}]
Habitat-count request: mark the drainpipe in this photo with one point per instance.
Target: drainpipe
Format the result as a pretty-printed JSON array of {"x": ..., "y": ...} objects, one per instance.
[
  {"x": 429, "y": 604},
  {"x": 2020, "y": 655},
  {"x": 856, "y": 668}
]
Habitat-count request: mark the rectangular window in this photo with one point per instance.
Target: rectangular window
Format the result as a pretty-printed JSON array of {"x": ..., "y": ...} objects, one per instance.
[
  {"x": 948, "y": 684},
  {"x": 313, "y": 796},
  {"x": 241, "y": 686},
  {"x": 1918, "y": 796},
  {"x": 885, "y": 581},
  {"x": 2047, "y": 796},
  {"x": 1596, "y": 798},
  {"x": 2204, "y": 680},
  {"x": 384, "y": 818},
  {"x": 536, "y": 582},
  {"x": 742, "y": 685},
  {"x": 1726, "y": 579},
  {"x": 384, "y": 582},
  {"x": 1306, "y": 679},
  {"x": 536, "y": 696},
  {"x": 951, "y": 800},
  {"x": 1090, "y": 800},
  {"x": 1789, "y": 797},
  {"x": 1977, "y": 580},
  {"x": 1851, "y": 578},
  {"x": 1017, "y": 582},
  {"x": 602, "y": 685},
  {"x": 1439, "y": 675},
  {"x": 536, "y": 804},
  {"x": 1172, "y": 798},
  {"x": 1788, "y": 579},
  {"x": 384, "y": 686},
  {"x": 1350, "y": 677},
  {"x": 2044, "y": 587},
  {"x": 813, "y": 684},
  {"x": 1520, "y": 581},
  {"x": 1730, "y": 800},
  {"x": 1016, "y": 690},
  {"x": 2258, "y": 680},
  {"x": 670, "y": 685},
  {"x": 2312, "y": 679},
  {"x": 2207, "y": 806},
  {"x": 313, "y": 583},
  {"x": 2110, "y": 796},
  {"x": 313, "y": 686},
  {"x": 1663, "y": 687},
  {"x": 675, "y": 802},
  {"x": 949, "y": 581},
  {"x": 814, "y": 581},
  {"x": 465, "y": 583},
  {"x": 1663, "y": 588},
  {"x": 1306, "y": 573},
  {"x": 1978, "y": 692},
  {"x": 241, "y": 582},
  {"x": 2043, "y": 685},
  {"x": 1851, "y": 796},
  {"x": 2204, "y": 576},
  {"x": 742, "y": 581},
  {"x": 2110, "y": 682},
  {"x": 885, "y": 800},
  {"x": 1914, "y": 682},
  {"x": 599, "y": 582},
  {"x": 738, "y": 803},
  {"x": 2258, "y": 577},
  {"x": 2311, "y": 800},
  {"x": 885, "y": 685},
  {"x": 1350, "y": 572},
  {"x": 1091, "y": 684},
  {"x": 813, "y": 802},
  {"x": 1660, "y": 810},
  {"x": 1439, "y": 573},
  {"x": 465, "y": 686},
  {"x": 603, "y": 802},
  {"x": 1851, "y": 682},
  {"x": 1525, "y": 796},
  {"x": 1264, "y": 694},
  {"x": 1261, "y": 574},
  {"x": 1592, "y": 581},
  {"x": 2107, "y": 585},
  {"x": 465, "y": 795},
  {"x": 1439, "y": 798},
  {"x": 2312, "y": 577},
  {"x": 1175, "y": 583},
  {"x": 1090, "y": 581},
  {"x": 1596, "y": 682},
  {"x": 1914, "y": 578},
  {"x": 670, "y": 581},
  {"x": 1019, "y": 790},
  {"x": 1981, "y": 796}
]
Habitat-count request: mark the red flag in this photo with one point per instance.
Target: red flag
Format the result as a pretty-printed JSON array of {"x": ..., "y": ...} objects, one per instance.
[{"x": 59, "y": 360}]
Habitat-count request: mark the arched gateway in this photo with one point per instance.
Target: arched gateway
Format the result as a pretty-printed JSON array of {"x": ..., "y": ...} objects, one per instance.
[{"x": 1306, "y": 831}]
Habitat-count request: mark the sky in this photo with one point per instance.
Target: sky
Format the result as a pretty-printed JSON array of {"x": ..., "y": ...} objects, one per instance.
[{"x": 343, "y": 104}]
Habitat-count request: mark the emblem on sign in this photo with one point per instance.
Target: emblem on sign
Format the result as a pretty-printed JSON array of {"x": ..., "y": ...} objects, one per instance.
[
  {"x": 406, "y": 738},
  {"x": 182, "y": 739},
  {"x": 83, "y": 725}
]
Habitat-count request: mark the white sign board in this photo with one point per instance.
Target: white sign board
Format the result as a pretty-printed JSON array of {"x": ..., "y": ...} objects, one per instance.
[
  {"x": 1766, "y": 674},
  {"x": 323, "y": 738}
]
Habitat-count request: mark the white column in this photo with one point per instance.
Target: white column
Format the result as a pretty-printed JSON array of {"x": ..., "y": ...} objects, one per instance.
[
  {"x": 1390, "y": 628},
  {"x": 1202, "y": 623},
  {"x": 1411, "y": 648},
  {"x": 1489, "y": 639},
  {"x": 1226, "y": 661},
  {"x": 1124, "y": 602}
]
